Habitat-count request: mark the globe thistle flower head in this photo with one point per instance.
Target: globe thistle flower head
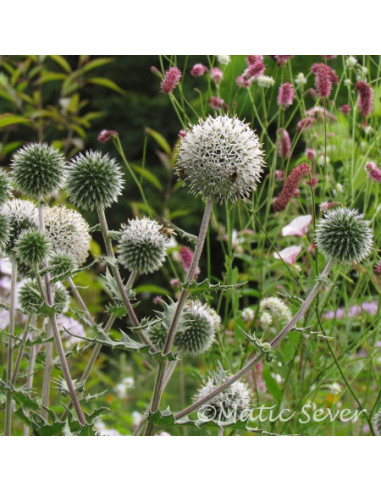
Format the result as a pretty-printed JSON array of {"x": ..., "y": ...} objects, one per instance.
[
  {"x": 197, "y": 334},
  {"x": 68, "y": 233},
  {"x": 38, "y": 169},
  {"x": 220, "y": 157},
  {"x": 142, "y": 246},
  {"x": 377, "y": 423},
  {"x": 227, "y": 407},
  {"x": 32, "y": 247},
  {"x": 94, "y": 181},
  {"x": 157, "y": 332},
  {"x": 61, "y": 299},
  {"x": 31, "y": 302},
  {"x": 62, "y": 265},
  {"x": 5, "y": 187},
  {"x": 21, "y": 215},
  {"x": 344, "y": 235},
  {"x": 4, "y": 230}
]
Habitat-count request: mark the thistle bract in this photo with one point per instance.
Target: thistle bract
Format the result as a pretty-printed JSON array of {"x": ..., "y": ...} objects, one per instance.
[
  {"x": 4, "y": 230},
  {"x": 344, "y": 236},
  {"x": 21, "y": 215},
  {"x": 38, "y": 169},
  {"x": 31, "y": 302},
  {"x": 32, "y": 247},
  {"x": 68, "y": 233},
  {"x": 158, "y": 331},
  {"x": 94, "y": 181},
  {"x": 5, "y": 187},
  {"x": 142, "y": 246},
  {"x": 220, "y": 157},
  {"x": 62, "y": 265},
  {"x": 227, "y": 407}
]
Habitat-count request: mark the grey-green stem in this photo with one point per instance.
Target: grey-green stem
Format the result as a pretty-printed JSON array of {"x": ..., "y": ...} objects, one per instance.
[
  {"x": 21, "y": 350},
  {"x": 252, "y": 362},
  {"x": 162, "y": 370},
  {"x": 12, "y": 314}
]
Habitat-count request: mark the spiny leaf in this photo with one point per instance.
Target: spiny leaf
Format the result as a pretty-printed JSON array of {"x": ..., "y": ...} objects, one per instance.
[{"x": 205, "y": 286}]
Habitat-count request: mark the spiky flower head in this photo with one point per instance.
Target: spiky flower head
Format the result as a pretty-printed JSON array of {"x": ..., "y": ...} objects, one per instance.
[
  {"x": 142, "y": 246},
  {"x": 198, "y": 331},
  {"x": 5, "y": 187},
  {"x": 377, "y": 423},
  {"x": 38, "y": 169},
  {"x": 4, "y": 230},
  {"x": 62, "y": 265},
  {"x": 31, "y": 302},
  {"x": 94, "y": 181},
  {"x": 21, "y": 215},
  {"x": 158, "y": 331},
  {"x": 220, "y": 157},
  {"x": 344, "y": 235},
  {"x": 68, "y": 233},
  {"x": 32, "y": 247},
  {"x": 227, "y": 407}
]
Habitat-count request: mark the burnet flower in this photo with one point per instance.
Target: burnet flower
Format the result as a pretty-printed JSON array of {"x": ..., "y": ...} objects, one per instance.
[
  {"x": 20, "y": 215},
  {"x": 344, "y": 235},
  {"x": 220, "y": 157},
  {"x": 32, "y": 247},
  {"x": 38, "y": 169},
  {"x": 94, "y": 181},
  {"x": 227, "y": 407},
  {"x": 68, "y": 233},
  {"x": 5, "y": 187},
  {"x": 142, "y": 246}
]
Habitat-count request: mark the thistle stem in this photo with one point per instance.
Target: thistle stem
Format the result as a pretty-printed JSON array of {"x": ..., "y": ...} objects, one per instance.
[
  {"x": 81, "y": 302},
  {"x": 162, "y": 370},
  {"x": 252, "y": 362},
  {"x": 29, "y": 383},
  {"x": 21, "y": 349},
  {"x": 126, "y": 301},
  {"x": 12, "y": 314}
]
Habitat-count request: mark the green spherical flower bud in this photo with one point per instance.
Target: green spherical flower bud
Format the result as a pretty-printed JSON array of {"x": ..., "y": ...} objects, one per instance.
[
  {"x": 94, "y": 181},
  {"x": 38, "y": 169},
  {"x": 229, "y": 406},
  {"x": 344, "y": 236},
  {"x": 68, "y": 232},
  {"x": 4, "y": 230},
  {"x": 158, "y": 331},
  {"x": 5, "y": 187},
  {"x": 61, "y": 299},
  {"x": 21, "y": 215},
  {"x": 220, "y": 157},
  {"x": 142, "y": 246},
  {"x": 62, "y": 265},
  {"x": 197, "y": 335},
  {"x": 29, "y": 297},
  {"x": 32, "y": 247}
]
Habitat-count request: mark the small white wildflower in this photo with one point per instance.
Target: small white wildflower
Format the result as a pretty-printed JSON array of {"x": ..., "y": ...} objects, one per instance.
[
  {"x": 300, "y": 79},
  {"x": 347, "y": 82},
  {"x": 248, "y": 314},
  {"x": 339, "y": 187},
  {"x": 350, "y": 62},
  {"x": 335, "y": 388},
  {"x": 122, "y": 387},
  {"x": 323, "y": 160},
  {"x": 265, "y": 81},
  {"x": 266, "y": 320},
  {"x": 223, "y": 59},
  {"x": 277, "y": 307}
]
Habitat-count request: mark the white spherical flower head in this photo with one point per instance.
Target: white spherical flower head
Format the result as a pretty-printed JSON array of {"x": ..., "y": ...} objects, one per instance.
[
  {"x": 199, "y": 325},
  {"x": 344, "y": 235},
  {"x": 20, "y": 215},
  {"x": 142, "y": 246},
  {"x": 68, "y": 233},
  {"x": 222, "y": 158}
]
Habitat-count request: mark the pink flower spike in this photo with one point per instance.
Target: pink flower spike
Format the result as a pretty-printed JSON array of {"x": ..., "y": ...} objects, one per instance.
[
  {"x": 284, "y": 144},
  {"x": 171, "y": 80},
  {"x": 217, "y": 103},
  {"x": 241, "y": 82},
  {"x": 377, "y": 268},
  {"x": 291, "y": 185},
  {"x": 106, "y": 135},
  {"x": 282, "y": 59},
  {"x": 288, "y": 255},
  {"x": 374, "y": 172},
  {"x": 325, "y": 76},
  {"x": 251, "y": 59},
  {"x": 298, "y": 226},
  {"x": 305, "y": 123},
  {"x": 279, "y": 175},
  {"x": 182, "y": 133},
  {"x": 216, "y": 74},
  {"x": 198, "y": 70},
  {"x": 345, "y": 109},
  {"x": 254, "y": 70},
  {"x": 311, "y": 154},
  {"x": 286, "y": 95},
  {"x": 365, "y": 100}
]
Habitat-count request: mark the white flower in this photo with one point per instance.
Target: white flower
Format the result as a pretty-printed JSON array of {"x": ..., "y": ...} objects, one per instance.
[
  {"x": 265, "y": 81},
  {"x": 123, "y": 386},
  {"x": 276, "y": 307},
  {"x": 335, "y": 388},
  {"x": 220, "y": 157},
  {"x": 288, "y": 255},
  {"x": 350, "y": 62},
  {"x": 297, "y": 227},
  {"x": 300, "y": 79},
  {"x": 248, "y": 314},
  {"x": 347, "y": 82},
  {"x": 223, "y": 59}
]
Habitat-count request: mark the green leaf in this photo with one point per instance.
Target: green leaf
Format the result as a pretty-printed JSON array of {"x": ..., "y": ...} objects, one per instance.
[
  {"x": 12, "y": 119},
  {"x": 153, "y": 289},
  {"x": 106, "y": 83},
  {"x": 271, "y": 385},
  {"x": 205, "y": 286},
  {"x": 159, "y": 139},
  {"x": 62, "y": 62},
  {"x": 148, "y": 176},
  {"x": 50, "y": 76},
  {"x": 98, "y": 62}
]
